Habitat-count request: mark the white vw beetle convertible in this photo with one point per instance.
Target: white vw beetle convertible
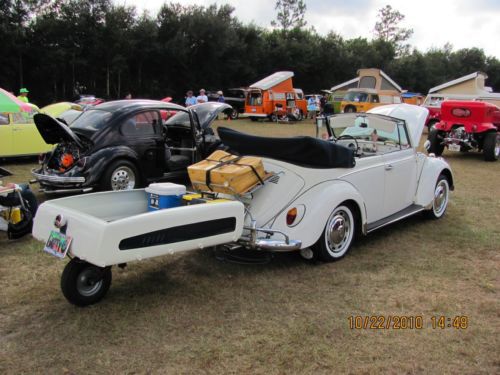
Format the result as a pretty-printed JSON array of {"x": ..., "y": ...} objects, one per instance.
[{"x": 319, "y": 196}]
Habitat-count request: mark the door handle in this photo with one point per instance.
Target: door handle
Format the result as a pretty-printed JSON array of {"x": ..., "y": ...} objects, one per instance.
[{"x": 388, "y": 167}]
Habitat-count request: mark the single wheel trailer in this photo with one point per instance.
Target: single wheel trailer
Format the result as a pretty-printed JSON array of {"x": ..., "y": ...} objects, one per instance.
[{"x": 114, "y": 228}]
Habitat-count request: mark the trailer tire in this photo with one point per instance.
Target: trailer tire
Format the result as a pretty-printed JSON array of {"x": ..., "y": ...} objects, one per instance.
[{"x": 83, "y": 283}]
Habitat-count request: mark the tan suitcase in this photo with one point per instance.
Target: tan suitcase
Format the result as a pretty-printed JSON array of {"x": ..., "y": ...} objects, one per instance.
[{"x": 226, "y": 173}]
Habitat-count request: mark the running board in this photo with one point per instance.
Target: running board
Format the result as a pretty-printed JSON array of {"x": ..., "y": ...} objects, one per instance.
[{"x": 408, "y": 211}]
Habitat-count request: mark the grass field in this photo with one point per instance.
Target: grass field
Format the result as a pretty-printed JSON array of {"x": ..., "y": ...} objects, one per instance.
[{"x": 191, "y": 313}]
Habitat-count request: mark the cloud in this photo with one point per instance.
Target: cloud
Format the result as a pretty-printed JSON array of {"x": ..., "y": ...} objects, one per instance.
[{"x": 463, "y": 23}]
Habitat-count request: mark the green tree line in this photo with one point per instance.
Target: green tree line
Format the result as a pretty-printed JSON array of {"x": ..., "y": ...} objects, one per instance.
[{"x": 99, "y": 47}]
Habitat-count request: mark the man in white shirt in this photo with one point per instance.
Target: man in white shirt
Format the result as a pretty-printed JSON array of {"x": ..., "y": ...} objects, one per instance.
[
  {"x": 190, "y": 99},
  {"x": 202, "y": 98}
]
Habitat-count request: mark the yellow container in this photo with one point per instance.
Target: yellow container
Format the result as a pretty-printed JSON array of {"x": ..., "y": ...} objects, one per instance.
[{"x": 13, "y": 215}]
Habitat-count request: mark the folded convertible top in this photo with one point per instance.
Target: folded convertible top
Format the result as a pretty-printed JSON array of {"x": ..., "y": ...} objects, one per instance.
[{"x": 304, "y": 151}]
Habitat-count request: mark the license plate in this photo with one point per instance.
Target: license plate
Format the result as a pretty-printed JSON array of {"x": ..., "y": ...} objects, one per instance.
[
  {"x": 57, "y": 244},
  {"x": 454, "y": 147}
]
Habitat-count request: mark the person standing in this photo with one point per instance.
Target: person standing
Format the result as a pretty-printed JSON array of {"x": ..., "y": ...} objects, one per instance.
[
  {"x": 221, "y": 98},
  {"x": 202, "y": 98},
  {"x": 322, "y": 103},
  {"x": 312, "y": 107},
  {"x": 190, "y": 99},
  {"x": 23, "y": 95}
]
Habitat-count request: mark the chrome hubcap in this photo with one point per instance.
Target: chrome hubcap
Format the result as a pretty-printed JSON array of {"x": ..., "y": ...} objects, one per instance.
[
  {"x": 88, "y": 282},
  {"x": 123, "y": 178},
  {"x": 497, "y": 147},
  {"x": 440, "y": 197},
  {"x": 338, "y": 232}
]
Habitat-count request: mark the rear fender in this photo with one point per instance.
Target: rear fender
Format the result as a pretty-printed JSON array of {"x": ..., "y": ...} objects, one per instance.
[
  {"x": 318, "y": 203},
  {"x": 99, "y": 161},
  {"x": 432, "y": 168}
]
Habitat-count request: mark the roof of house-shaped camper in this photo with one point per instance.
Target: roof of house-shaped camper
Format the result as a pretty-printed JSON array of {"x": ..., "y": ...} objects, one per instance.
[
  {"x": 369, "y": 78},
  {"x": 272, "y": 80}
]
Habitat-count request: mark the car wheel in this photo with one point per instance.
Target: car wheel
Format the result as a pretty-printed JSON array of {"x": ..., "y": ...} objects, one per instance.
[
  {"x": 83, "y": 283},
  {"x": 430, "y": 125},
  {"x": 491, "y": 146},
  {"x": 350, "y": 109},
  {"x": 120, "y": 175},
  {"x": 273, "y": 118},
  {"x": 234, "y": 114},
  {"x": 338, "y": 235},
  {"x": 435, "y": 142},
  {"x": 440, "y": 200}
]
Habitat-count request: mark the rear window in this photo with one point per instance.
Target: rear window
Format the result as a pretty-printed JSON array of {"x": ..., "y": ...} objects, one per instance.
[{"x": 92, "y": 119}]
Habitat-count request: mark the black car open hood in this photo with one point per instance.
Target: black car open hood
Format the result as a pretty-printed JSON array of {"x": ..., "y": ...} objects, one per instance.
[
  {"x": 207, "y": 112},
  {"x": 54, "y": 131}
]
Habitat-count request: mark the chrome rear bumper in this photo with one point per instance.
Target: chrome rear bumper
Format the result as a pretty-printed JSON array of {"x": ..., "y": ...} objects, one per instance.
[
  {"x": 269, "y": 244},
  {"x": 57, "y": 179}
]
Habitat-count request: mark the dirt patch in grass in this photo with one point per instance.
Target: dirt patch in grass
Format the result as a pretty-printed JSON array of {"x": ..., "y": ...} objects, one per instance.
[{"x": 191, "y": 313}]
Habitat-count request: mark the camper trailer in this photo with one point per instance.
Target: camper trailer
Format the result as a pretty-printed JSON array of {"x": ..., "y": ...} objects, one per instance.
[{"x": 274, "y": 97}]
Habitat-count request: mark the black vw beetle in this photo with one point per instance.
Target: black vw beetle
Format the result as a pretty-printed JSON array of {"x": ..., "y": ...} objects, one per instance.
[{"x": 124, "y": 144}]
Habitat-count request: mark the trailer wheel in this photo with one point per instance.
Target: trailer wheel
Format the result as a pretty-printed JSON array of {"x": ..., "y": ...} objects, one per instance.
[
  {"x": 83, "y": 283},
  {"x": 491, "y": 146}
]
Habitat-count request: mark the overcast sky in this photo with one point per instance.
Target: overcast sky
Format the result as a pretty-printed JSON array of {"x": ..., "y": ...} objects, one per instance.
[{"x": 463, "y": 23}]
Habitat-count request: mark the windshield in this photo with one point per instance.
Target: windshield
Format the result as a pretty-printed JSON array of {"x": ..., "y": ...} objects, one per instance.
[
  {"x": 369, "y": 127},
  {"x": 92, "y": 119},
  {"x": 356, "y": 97}
]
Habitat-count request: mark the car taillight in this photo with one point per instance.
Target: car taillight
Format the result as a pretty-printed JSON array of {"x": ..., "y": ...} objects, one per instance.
[{"x": 291, "y": 216}]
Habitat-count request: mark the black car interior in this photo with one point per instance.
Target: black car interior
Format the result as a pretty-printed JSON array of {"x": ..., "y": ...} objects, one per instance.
[{"x": 180, "y": 147}]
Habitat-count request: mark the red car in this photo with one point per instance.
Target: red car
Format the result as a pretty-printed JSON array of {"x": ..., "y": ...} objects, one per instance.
[{"x": 465, "y": 126}]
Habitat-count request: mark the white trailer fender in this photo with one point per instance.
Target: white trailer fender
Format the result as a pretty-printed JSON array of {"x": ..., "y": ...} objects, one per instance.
[
  {"x": 318, "y": 203},
  {"x": 431, "y": 170}
]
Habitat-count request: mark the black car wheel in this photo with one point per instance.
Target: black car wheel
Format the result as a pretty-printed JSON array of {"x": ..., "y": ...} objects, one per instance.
[
  {"x": 120, "y": 175},
  {"x": 491, "y": 146},
  {"x": 234, "y": 114},
  {"x": 435, "y": 139},
  {"x": 83, "y": 283}
]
